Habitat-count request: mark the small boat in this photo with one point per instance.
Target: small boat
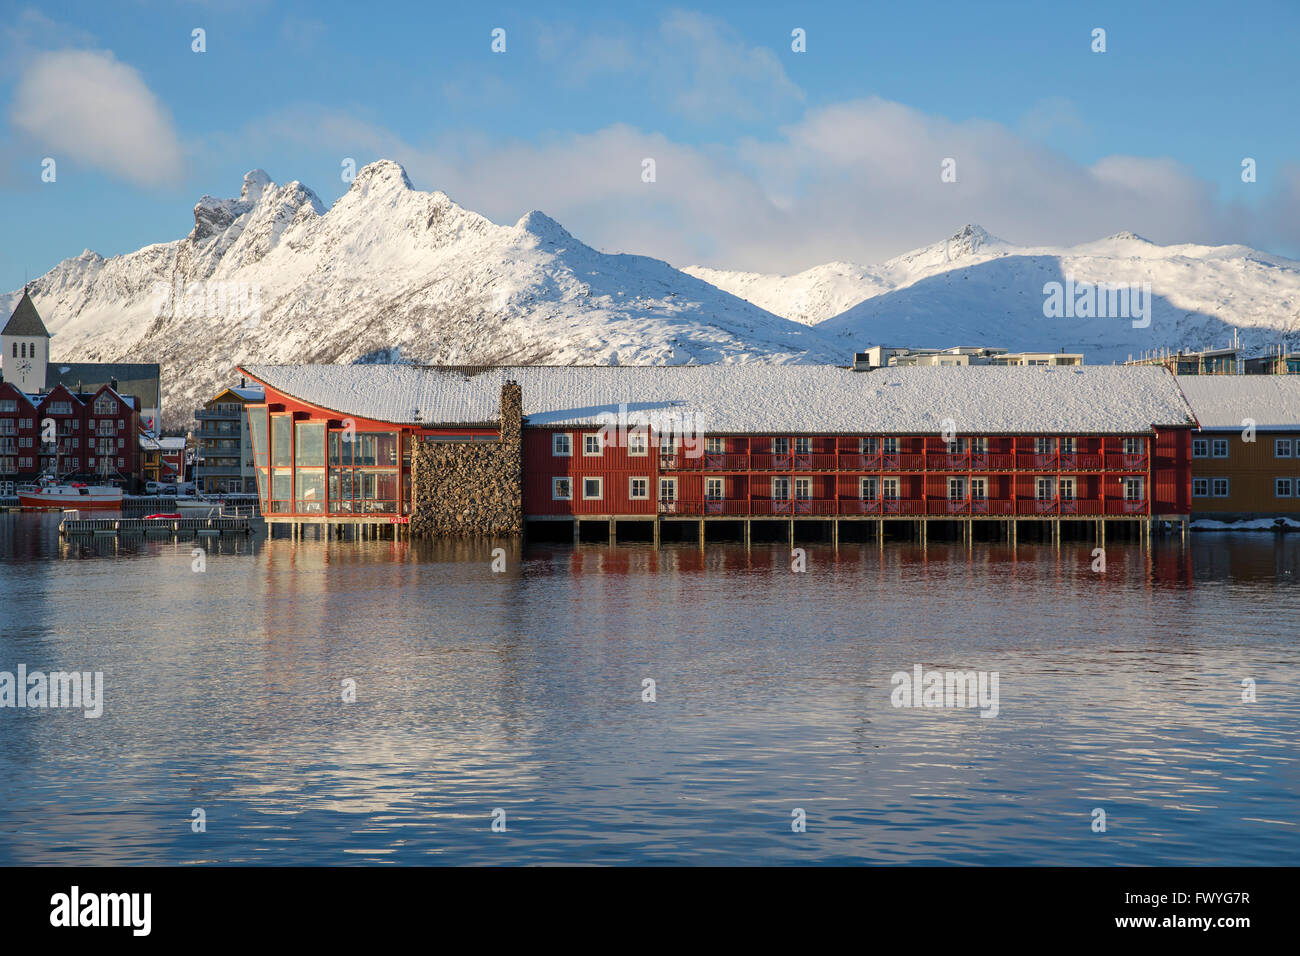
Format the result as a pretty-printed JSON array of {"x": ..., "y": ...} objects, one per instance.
[
  {"x": 173, "y": 516},
  {"x": 77, "y": 495},
  {"x": 193, "y": 503}
]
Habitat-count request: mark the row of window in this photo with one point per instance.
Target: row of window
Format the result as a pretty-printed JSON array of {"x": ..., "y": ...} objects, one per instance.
[
  {"x": 15, "y": 465},
  {"x": 1218, "y": 448},
  {"x": 10, "y": 425},
  {"x": 638, "y": 445},
  {"x": 1222, "y": 488},
  {"x": 1046, "y": 489},
  {"x": 28, "y": 351}
]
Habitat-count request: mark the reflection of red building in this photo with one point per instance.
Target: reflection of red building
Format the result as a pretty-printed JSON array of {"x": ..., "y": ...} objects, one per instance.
[{"x": 748, "y": 442}]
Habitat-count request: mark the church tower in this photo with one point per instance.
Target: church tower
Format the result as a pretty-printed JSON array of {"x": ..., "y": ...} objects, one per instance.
[{"x": 26, "y": 347}]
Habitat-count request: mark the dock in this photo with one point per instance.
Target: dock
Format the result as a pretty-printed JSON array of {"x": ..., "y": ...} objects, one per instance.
[{"x": 175, "y": 527}]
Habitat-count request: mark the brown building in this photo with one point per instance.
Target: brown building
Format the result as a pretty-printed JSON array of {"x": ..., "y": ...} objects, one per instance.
[{"x": 1246, "y": 453}]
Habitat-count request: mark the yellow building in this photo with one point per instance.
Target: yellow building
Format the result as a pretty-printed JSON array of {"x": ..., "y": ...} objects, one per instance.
[{"x": 1246, "y": 454}]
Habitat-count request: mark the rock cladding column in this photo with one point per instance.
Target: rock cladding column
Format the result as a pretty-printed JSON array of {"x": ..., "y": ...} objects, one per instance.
[{"x": 467, "y": 488}]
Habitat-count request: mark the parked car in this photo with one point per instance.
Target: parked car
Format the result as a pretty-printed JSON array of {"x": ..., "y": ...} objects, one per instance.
[
  {"x": 153, "y": 487},
  {"x": 169, "y": 490}
]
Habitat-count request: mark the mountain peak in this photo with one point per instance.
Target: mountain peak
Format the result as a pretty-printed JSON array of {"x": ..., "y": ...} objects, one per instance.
[
  {"x": 255, "y": 183},
  {"x": 1130, "y": 236},
  {"x": 382, "y": 174},
  {"x": 968, "y": 239},
  {"x": 544, "y": 227}
]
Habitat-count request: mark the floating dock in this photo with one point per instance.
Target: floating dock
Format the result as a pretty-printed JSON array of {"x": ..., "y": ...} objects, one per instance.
[{"x": 176, "y": 527}]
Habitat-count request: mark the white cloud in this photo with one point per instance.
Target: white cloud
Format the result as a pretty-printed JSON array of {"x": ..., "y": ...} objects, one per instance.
[
  {"x": 88, "y": 106},
  {"x": 857, "y": 181},
  {"x": 703, "y": 67}
]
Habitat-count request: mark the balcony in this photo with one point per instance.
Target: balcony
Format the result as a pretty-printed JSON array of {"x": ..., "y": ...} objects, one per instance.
[
  {"x": 885, "y": 507},
  {"x": 905, "y": 462}
]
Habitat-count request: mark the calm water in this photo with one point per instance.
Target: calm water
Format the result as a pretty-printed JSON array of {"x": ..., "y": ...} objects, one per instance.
[{"x": 522, "y": 691}]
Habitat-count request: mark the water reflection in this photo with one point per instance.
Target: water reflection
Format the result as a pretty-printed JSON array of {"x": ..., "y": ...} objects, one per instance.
[{"x": 521, "y": 688}]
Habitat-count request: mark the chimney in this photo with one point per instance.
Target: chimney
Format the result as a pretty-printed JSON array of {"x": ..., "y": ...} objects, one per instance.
[{"x": 112, "y": 383}]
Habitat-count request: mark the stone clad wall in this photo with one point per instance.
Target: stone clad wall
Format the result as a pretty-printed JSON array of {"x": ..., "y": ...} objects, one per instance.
[{"x": 471, "y": 487}]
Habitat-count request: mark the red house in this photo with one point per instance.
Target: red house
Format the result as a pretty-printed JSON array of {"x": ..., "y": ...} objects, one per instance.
[
  {"x": 67, "y": 435},
  {"x": 743, "y": 443}
]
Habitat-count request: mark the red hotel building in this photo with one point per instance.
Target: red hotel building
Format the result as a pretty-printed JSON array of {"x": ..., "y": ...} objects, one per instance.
[{"x": 744, "y": 443}]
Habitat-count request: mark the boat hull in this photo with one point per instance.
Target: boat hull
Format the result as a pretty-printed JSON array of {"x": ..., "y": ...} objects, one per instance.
[{"x": 49, "y": 500}]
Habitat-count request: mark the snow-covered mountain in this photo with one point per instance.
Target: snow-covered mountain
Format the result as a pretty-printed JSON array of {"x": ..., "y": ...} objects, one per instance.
[
  {"x": 388, "y": 273},
  {"x": 974, "y": 289}
]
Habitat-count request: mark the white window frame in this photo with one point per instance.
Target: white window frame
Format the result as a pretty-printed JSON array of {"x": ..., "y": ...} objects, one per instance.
[
  {"x": 1290, "y": 487},
  {"x": 1067, "y": 446},
  {"x": 803, "y": 445},
  {"x": 555, "y": 489},
  {"x": 780, "y": 446},
  {"x": 803, "y": 489},
  {"x": 1132, "y": 446},
  {"x": 1205, "y": 448},
  {"x": 590, "y": 440},
  {"x": 868, "y": 489},
  {"x": 979, "y": 446},
  {"x": 715, "y": 483},
  {"x": 1130, "y": 482},
  {"x": 979, "y": 489},
  {"x": 638, "y": 443},
  {"x": 1205, "y": 488},
  {"x": 668, "y": 485},
  {"x": 1066, "y": 488},
  {"x": 1042, "y": 446},
  {"x": 957, "y": 484},
  {"x": 1044, "y": 483},
  {"x": 868, "y": 446},
  {"x": 1215, "y": 444},
  {"x": 891, "y": 446},
  {"x": 715, "y": 446},
  {"x": 631, "y": 488},
  {"x": 780, "y": 488},
  {"x": 565, "y": 439},
  {"x": 889, "y": 489},
  {"x": 600, "y": 486},
  {"x": 1278, "y": 445}
]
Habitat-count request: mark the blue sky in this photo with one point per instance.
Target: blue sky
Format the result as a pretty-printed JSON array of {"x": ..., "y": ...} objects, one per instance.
[{"x": 766, "y": 159}]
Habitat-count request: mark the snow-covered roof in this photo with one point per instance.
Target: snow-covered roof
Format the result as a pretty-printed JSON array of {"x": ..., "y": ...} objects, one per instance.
[
  {"x": 756, "y": 398},
  {"x": 1227, "y": 401}
]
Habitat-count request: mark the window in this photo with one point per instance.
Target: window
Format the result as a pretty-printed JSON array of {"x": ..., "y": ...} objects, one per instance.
[
  {"x": 1281, "y": 448},
  {"x": 978, "y": 489},
  {"x": 667, "y": 490},
  {"x": 803, "y": 488},
  {"x": 891, "y": 446},
  {"x": 956, "y": 489},
  {"x": 24, "y": 345},
  {"x": 803, "y": 446},
  {"x": 561, "y": 489},
  {"x": 562, "y": 444},
  {"x": 1042, "y": 446},
  {"x": 638, "y": 443},
  {"x": 714, "y": 446},
  {"x": 1044, "y": 489},
  {"x": 1200, "y": 487},
  {"x": 105, "y": 405},
  {"x": 1282, "y": 487},
  {"x": 667, "y": 443},
  {"x": 1200, "y": 448},
  {"x": 638, "y": 489},
  {"x": 1133, "y": 489},
  {"x": 8, "y": 404},
  {"x": 780, "y": 446},
  {"x": 780, "y": 488},
  {"x": 713, "y": 489},
  {"x": 593, "y": 489},
  {"x": 282, "y": 441},
  {"x": 1066, "y": 488},
  {"x": 890, "y": 488},
  {"x": 868, "y": 446},
  {"x": 980, "y": 446},
  {"x": 1219, "y": 448},
  {"x": 867, "y": 488},
  {"x": 1220, "y": 487},
  {"x": 956, "y": 446},
  {"x": 1067, "y": 446},
  {"x": 1133, "y": 446},
  {"x": 121, "y": 443},
  {"x": 592, "y": 445}
]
